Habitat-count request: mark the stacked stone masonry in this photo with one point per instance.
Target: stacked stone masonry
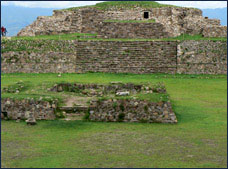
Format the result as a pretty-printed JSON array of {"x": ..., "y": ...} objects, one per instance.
[
  {"x": 43, "y": 56},
  {"x": 132, "y": 30},
  {"x": 175, "y": 21},
  {"x": 202, "y": 57},
  {"x": 113, "y": 88},
  {"x": 132, "y": 111},
  {"x": 20, "y": 109},
  {"x": 126, "y": 57},
  {"x": 216, "y": 31},
  {"x": 111, "y": 109},
  {"x": 122, "y": 109}
]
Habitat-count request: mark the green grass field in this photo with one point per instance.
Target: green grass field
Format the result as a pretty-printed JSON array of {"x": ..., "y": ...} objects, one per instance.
[{"x": 198, "y": 140}]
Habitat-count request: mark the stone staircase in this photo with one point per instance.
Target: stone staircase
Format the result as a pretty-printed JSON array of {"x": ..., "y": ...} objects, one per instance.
[
  {"x": 74, "y": 113},
  {"x": 75, "y": 108}
]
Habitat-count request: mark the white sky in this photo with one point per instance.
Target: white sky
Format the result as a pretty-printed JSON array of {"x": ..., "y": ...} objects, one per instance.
[{"x": 67, "y": 4}]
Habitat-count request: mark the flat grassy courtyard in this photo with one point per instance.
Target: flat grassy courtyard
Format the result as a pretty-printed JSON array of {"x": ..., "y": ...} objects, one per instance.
[{"x": 198, "y": 140}]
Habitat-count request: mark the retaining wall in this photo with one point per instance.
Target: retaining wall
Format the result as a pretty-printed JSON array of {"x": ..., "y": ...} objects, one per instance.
[
  {"x": 133, "y": 111},
  {"x": 202, "y": 57},
  {"x": 216, "y": 31},
  {"x": 19, "y": 109},
  {"x": 43, "y": 56},
  {"x": 132, "y": 30}
]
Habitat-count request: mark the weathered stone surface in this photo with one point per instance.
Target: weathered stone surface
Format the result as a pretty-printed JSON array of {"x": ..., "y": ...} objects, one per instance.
[
  {"x": 215, "y": 31},
  {"x": 100, "y": 90},
  {"x": 31, "y": 119},
  {"x": 126, "y": 57},
  {"x": 60, "y": 22},
  {"x": 175, "y": 21},
  {"x": 25, "y": 109},
  {"x": 115, "y": 56},
  {"x": 123, "y": 93},
  {"x": 114, "y": 109},
  {"x": 2, "y": 116},
  {"x": 202, "y": 57},
  {"x": 133, "y": 111},
  {"x": 132, "y": 30}
]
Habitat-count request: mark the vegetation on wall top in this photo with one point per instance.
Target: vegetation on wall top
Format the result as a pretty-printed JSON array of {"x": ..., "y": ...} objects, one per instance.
[
  {"x": 124, "y": 5},
  {"x": 93, "y": 37}
]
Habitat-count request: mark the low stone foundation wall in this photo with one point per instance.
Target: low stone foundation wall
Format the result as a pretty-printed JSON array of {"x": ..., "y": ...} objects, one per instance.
[
  {"x": 215, "y": 31},
  {"x": 132, "y": 111},
  {"x": 20, "y": 109},
  {"x": 114, "y": 102},
  {"x": 113, "y": 88}
]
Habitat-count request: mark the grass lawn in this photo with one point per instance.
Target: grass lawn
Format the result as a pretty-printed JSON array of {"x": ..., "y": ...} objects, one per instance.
[{"x": 198, "y": 140}]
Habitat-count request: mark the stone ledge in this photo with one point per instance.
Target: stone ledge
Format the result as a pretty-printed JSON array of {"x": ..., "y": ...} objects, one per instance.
[
  {"x": 132, "y": 111},
  {"x": 19, "y": 109}
]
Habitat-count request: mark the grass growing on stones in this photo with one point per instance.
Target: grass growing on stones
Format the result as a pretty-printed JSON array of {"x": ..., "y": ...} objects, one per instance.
[
  {"x": 92, "y": 37},
  {"x": 198, "y": 140},
  {"x": 124, "y": 5},
  {"x": 70, "y": 36},
  {"x": 41, "y": 91}
]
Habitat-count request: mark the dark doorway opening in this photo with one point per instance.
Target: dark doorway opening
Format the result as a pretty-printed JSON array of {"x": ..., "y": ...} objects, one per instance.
[{"x": 146, "y": 15}]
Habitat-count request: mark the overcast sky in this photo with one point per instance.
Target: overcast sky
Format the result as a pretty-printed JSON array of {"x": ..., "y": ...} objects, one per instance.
[{"x": 67, "y": 4}]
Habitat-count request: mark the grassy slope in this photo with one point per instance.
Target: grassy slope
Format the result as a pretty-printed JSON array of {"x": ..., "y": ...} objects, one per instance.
[
  {"x": 124, "y": 4},
  {"x": 198, "y": 140},
  {"x": 81, "y": 36}
]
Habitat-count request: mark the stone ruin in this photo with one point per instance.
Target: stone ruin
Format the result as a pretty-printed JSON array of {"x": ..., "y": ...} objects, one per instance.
[
  {"x": 27, "y": 109},
  {"x": 115, "y": 102},
  {"x": 168, "y": 22}
]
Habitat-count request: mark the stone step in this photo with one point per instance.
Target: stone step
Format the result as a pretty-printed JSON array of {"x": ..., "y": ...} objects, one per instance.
[
  {"x": 74, "y": 116},
  {"x": 75, "y": 108}
]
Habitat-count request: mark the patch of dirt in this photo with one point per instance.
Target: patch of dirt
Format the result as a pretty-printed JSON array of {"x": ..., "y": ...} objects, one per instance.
[{"x": 71, "y": 101}]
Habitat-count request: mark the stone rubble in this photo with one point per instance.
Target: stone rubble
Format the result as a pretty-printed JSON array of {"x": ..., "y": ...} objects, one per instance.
[{"x": 31, "y": 119}]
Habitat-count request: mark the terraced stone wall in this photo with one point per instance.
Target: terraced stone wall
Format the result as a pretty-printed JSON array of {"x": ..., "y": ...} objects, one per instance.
[
  {"x": 176, "y": 21},
  {"x": 202, "y": 57},
  {"x": 216, "y": 31},
  {"x": 43, "y": 56},
  {"x": 132, "y": 30},
  {"x": 126, "y": 57}
]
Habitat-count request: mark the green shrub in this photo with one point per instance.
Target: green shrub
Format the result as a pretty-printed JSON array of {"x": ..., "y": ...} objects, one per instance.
[
  {"x": 122, "y": 107},
  {"x": 121, "y": 117},
  {"x": 146, "y": 109},
  {"x": 114, "y": 105},
  {"x": 86, "y": 116}
]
